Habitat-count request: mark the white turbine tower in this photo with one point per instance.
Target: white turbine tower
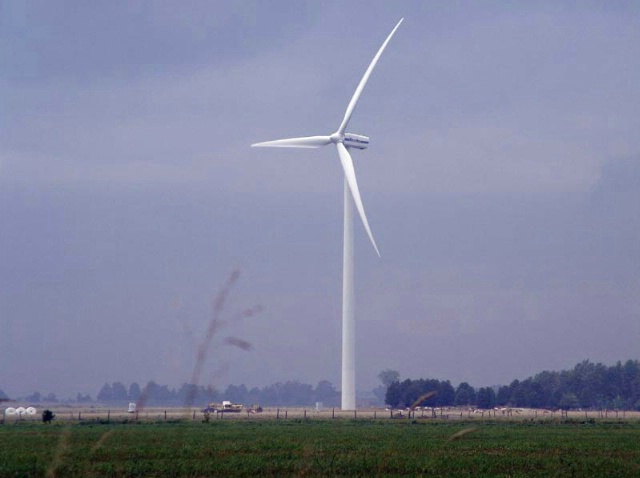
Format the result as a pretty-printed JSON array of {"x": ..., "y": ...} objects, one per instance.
[{"x": 345, "y": 141}]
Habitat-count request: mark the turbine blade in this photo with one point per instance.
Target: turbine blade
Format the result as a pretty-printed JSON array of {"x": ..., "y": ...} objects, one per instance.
[
  {"x": 305, "y": 142},
  {"x": 363, "y": 81},
  {"x": 350, "y": 174}
]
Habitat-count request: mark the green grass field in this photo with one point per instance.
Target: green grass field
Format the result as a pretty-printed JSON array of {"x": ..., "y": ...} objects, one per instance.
[{"x": 321, "y": 448}]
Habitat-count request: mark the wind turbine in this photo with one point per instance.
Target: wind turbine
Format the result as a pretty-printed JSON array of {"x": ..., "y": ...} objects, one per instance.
[{"x": 344, "y": 142}]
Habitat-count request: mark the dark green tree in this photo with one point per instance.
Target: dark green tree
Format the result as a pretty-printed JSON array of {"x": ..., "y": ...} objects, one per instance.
[
  {"x": 569, "y": 401},
  {"x": 393, "y": 395},
  {"x": 486, "y": 398},
  {"x": 446, "y": 394},
  {"x": 465, "y": 395},
  {"x": 503, "y": 396}
]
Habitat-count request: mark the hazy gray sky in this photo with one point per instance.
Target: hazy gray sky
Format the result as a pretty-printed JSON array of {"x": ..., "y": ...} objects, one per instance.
[{"x": 502, "y": 184}]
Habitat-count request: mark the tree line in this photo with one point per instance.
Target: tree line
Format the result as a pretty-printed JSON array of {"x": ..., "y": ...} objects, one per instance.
[
  {"x": 587, "y": 385},
  {"x": 291, "y": 393}
]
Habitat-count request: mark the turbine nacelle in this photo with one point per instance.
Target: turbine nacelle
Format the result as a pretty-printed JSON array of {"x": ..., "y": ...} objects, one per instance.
[{"x": 351, "y": 140}]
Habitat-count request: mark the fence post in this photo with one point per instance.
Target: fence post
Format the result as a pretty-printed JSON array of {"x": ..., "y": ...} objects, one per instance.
[
  {"x": 165, "y": 414},
  {"x": 277, "y": 413},
  {"x": 333, "y": 413}
]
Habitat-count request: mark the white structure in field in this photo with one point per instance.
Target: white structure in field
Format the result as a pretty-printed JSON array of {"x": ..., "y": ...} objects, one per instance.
[
  {"x": 20, "y": 411},
  {"x": 344, "y": 142}
]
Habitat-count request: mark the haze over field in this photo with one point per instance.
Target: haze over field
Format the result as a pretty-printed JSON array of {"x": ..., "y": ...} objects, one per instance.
[{"x": 502, "y": 185}]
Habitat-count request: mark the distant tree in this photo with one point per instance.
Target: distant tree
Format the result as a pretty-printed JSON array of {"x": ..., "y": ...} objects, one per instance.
[
  {"x": 164, "y": 395},
  {"x": 211, "y": 394},
  {"x": 50, "y": 398},
  {"x": 83, "y": 398},
  {"x": 271, "y": 394},
  {"x": 105, "y": 394},
  {"x": 3, "y": 396},
  {"x": 592, "y": 385},
  {"x": 408, "y": 393},
  {"x": 465, "y": 395},
  {"x": 236, "y": 393},
  {"x": 188, "y": 394},
  {"x": 486, "y": 398},
  {"x": 326, "y": 393},
  {"x": 35, "y": 397},
  {"x": 518, "y": 394},
  {"x": 446, "y": 394},
  {"x": 393, "y": 395},
  {"x": 254, "y": 396},
  {"x": 134, "y": 392},
  {"x": 296, "y": 393},
  {"x": 388, "y": 376},
  {"x": 412, "y": 390},
  {"x": 159, "y": 394},
  {"x": 119, "y": 392},
  {"x": 379, "y": 393},
  {"x": 289, "y": 393},
  {"x": 503, "y": 396},
  {"x": 587, "y": 379},
  {"x": 630, "y": 380},
  {"x": 569, "y": 401}
]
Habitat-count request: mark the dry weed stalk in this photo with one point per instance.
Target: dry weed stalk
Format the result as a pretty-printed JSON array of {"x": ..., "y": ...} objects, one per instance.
[
  {"x": 215, "y": 324},
  {"x": 462, "y": 433},
  {"x": 422, "y": 398},
  {"x": 100, "y": 441}
]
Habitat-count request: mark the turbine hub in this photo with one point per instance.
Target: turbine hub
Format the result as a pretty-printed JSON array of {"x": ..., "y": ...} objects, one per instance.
[{"x": 337, "y": 138}]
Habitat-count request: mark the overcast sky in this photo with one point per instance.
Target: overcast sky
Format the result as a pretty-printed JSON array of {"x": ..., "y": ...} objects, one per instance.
[{"x": 502, "y": 185}]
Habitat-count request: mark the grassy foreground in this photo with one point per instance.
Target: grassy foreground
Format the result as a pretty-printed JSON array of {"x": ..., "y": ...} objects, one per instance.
[{"x": 321, "y": 448}]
